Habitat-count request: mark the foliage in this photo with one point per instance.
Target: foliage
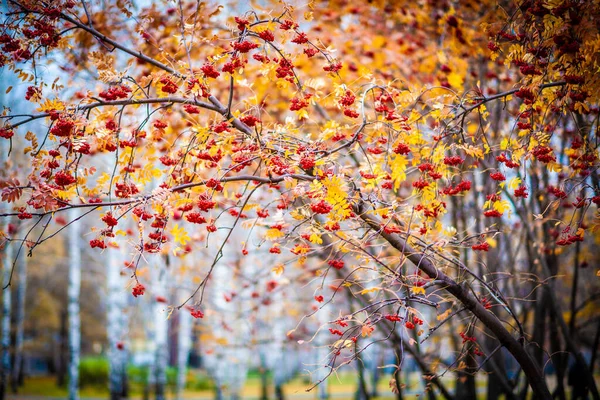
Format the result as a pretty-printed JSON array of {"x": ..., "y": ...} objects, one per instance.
[
  {"x": 431, "y": 162},
  {"x": 93, "y": 371},
  {"x": 198, "y": 381}
]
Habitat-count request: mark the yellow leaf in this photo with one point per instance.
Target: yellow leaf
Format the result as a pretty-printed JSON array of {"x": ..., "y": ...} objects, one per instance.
[
  {"x": 370, "y": 290},
  {"x": 514, "y": 183},
  {"x": 222, "y": 341},
  {"x": 248, "y": 224},
  {"x": 272, "y": 234},
  {"x": 343, "y": 343},
  {"x": 455, "y": 80},
  {"x": 428, "y": 193},
  {"x": 302, "y": 114},
  {"x": 297, "y": 215},
  {"x": 183, "y": 201},
  {"x": 398, "y": 166},
  {"x": 444, "y": 315},
  {"x": 501, "y": 206},
  {"x": 378, "y": 41},
  {"x": 278, "y": 269},
  {"x": 50, "y": 105},
  {"x": 472, "y": 151},
  {"x": 417, "y": 290},
  {"x": 554, "y": 167},
  {"x": 180, "y": 235},
  {"x": 316, "y": 239}
]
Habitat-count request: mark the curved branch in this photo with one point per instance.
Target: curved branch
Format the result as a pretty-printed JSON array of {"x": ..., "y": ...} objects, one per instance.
[
  {"x": 128, "y": 102},
  {"x": 514, "y": 346},
  {"x": 482, "y": 100},
  {"x": 141, "y": 199}
]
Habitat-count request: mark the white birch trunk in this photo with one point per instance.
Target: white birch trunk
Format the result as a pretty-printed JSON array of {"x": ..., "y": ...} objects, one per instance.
[
  {"x": 20, "y": 318},
  {"x": 229, "y": 363},
  {"x": 6, "y": 307},
  {"x": 184, "y": 342},
  {"x": 73, "y": 308},
  {"x": 116, "y": 325},
  {"x": 322, "y": 353},
  {"x": 161, "y": 326},
  {"x": 7, "y": 260},
  {"x": 150, "y": 346}
]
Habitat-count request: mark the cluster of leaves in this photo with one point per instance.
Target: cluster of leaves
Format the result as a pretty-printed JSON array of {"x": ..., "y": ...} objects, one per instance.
[{"x": 331, "y": 143}]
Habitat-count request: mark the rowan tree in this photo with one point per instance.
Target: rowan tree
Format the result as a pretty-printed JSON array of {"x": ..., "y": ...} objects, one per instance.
[{"x": 382, "y": 148}]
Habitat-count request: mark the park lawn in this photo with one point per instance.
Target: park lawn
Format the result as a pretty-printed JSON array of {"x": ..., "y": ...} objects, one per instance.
[
  {"x": 46, "y": 386},
  {"x": 340, "y": 386}
]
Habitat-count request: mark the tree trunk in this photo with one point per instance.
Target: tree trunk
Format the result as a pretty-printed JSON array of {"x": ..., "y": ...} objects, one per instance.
[
  {"x": 279, "y": 395},
  {"x": 161, "y": 325},
  {"x": 6, "y": 308},
  {"x": 19, "y": 321},
  {"x": 116, "y": 323},
  {"x": 557, "y": 357},
  {"x": 183, "y": 351},
  {"x": 264, "y": 381},
  {"x": 398, "y": 378},
  {"x": 465, "y": 379},
  {"x": 218, "y": 392},
  {"x": 321, "y": 354},
  {"x": 374, "y": 371},
  {"x": 61, "y": 356},
  {"x": 73, "y": 308},
  {"x": 361, "y": 391}
]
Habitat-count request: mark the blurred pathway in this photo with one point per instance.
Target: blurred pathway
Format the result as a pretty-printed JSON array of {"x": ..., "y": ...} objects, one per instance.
[{"x": 291, "y": 396}]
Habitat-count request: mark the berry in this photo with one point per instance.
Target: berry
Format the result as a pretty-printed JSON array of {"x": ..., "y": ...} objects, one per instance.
[{"x": 138, "y": 290}]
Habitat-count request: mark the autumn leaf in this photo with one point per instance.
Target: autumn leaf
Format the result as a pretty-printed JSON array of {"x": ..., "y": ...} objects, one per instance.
[
  {"x": 11, "y": 192},
  {"x": 180, "y": 235},
  {"x": 369, "y": 290},
  {"x": 278, "y": 269},
  {"x": 366, "y": 330},
  {"x": 316, "y": 238},
  {"x": 272, "y": 234},
  {"x": 416, "y": 290}
]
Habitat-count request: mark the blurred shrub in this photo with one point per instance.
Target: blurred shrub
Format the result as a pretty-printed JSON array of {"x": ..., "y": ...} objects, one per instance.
[
  {"x": 93, "y": 371},
  {"x": 198, "y": 380},
  {"x": 138, "y": 373}
]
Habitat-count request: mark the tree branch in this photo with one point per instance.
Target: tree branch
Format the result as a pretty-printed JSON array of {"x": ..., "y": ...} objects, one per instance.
[{"x": 420, "y": 259}]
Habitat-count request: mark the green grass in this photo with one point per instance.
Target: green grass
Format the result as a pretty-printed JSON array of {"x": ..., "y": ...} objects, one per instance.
[
  {"x": 46, "y": 386},
  {"x": 341, "y": 386},
  {"x": 344, "y": 383}
]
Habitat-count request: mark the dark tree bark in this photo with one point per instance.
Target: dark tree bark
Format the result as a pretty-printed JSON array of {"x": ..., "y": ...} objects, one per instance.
[
  {"x": 279, "y": 394},
  {"x": 361, "y": 390},
  {"x": 463, "y": 294},
  {"x": 465, "y": 382},
  {"x": 17, "y": 373},
  {"x": 63, "y": 350}
]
